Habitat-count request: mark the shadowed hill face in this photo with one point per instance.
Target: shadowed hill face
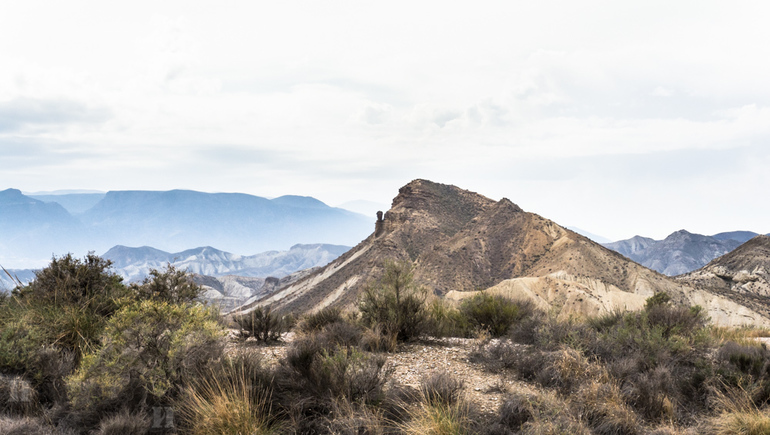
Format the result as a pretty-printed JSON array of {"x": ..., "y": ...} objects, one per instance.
[
  {"x": 742, "y": 275},
  {"x": 460, "y": 241},
  {"x": 754, "y": 254}
]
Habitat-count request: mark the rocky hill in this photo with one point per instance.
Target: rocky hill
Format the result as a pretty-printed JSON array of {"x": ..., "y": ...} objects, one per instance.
[
  {"x": 230, "y": 291},
  {"x": 681, "y": 251},
  {"x": 461, "y": 242},
  {"x": 743, "y": 274},
  {"x": 133, "y": 264}
]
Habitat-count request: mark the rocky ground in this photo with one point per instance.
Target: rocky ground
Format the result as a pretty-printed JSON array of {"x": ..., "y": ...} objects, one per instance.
[{"x": 418, "y": 360}]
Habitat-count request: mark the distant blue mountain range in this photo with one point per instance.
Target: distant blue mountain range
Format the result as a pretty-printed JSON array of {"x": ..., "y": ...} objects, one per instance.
[
  {"x": 33, "y": 228},
  {"x": 681, "y": 251}
]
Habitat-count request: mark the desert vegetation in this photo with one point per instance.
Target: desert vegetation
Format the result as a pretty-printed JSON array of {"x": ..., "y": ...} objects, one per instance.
[{"x": 83, "y": 353}]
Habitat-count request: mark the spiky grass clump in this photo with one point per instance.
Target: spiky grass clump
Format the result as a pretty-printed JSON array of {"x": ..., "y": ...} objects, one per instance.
[
  {"x": 228, "y": 402},
  {"x": 442, "y": 409},
  {"x": 124, "y": 423},
  {"x": 439, "y": 419},
  {"x": 737, "y": 415},
  {"x": 536, "y": 412}
]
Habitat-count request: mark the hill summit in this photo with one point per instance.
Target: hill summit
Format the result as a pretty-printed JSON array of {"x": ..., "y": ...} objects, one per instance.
[{"x": 461, "y": 242}]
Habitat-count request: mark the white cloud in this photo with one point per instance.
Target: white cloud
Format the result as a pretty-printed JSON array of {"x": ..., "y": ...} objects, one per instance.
[{"x": 349, "y": 100}]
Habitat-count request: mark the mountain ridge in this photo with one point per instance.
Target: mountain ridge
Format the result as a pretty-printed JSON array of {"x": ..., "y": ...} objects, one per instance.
[
  {"x": 681, "y": 251},
  {"x": 460, "y": 242},
  {"x": 31, "y": 231}
]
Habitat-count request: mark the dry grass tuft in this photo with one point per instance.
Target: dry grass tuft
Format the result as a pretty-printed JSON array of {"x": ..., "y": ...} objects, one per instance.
[
  {"x": 744, "y": 335},
  {"x": 442, "y": 410},
  {"x": 737, "y": 415},
  {"x": 230, "y": 404}
]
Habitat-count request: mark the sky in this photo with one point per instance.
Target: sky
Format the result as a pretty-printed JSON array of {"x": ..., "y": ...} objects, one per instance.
[{"x": 620, "y": 118}]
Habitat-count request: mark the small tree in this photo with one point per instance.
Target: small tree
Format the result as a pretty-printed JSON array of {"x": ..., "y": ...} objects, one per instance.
[
  {"x": 69, "y": 301},
  {"x": 395, "y": 303},
  {"x": 171, "y": 285}
]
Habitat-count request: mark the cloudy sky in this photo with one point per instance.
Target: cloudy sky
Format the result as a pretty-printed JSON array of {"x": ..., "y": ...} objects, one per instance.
[{"x": 620, "y": 118}]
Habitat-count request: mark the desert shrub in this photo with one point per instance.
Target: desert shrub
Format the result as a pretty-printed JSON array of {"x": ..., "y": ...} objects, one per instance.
[
  {"x": 25, "y": 426},
  {"x": 320, "y": 319},
  {"x": 567, "y": 369},
  {"x": 149, "y": 348},
  {"x": 342, "y": 334},
  {"x": 69, "y": 302},
  {"x": 324, "y": 370},
  {"x": 439, "y": 419},
  {"x": 48, "y": 324},
  {"x": 261, "y": 323},
  {"x": 553, "y": 333},
  {"x": 170, "y": 285},
  {"x": 124, "y": 423},
  {"x": 440, "y": 408},
  {"x": 17, "y": 396},
  {"x": 318, "y": 374},
  {"x": 525, "y": 331},
  {"x": 607, "y": 321},
  {"x": 374, "y": 339},
  {"x": 394, "y": 303},
  {"x": 535, "y": 413},
  {"x": 352, "y": 418},
  {"x": 654, "y": 393},
  {"x": 659, "y": 356},
  {"x": 495, "y": 313},
  {"x": 602, "y": 407},
  {"x": 444, "y": 320},
  {"x": 746, "y": 367},
  {"x": 746, "y": 360},
  {"x": 441, "y": 388}
]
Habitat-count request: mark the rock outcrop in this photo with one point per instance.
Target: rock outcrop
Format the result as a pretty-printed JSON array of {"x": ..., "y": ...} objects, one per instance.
[{"x": 742, "y": 275}]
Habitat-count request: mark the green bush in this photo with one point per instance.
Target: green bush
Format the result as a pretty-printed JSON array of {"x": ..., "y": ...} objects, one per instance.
[
  {"x": 261, "y": 323},
  {"x": 312, "y": 367},
  {"x": 149, "y": 348},
  {"x": 169, "y": 285},
  {"x": 495, "y": 313},
  {"x": 444, "y": 320},
  {"x": 318, "y": 320},
  {"x": 395, "y": 303},
  {"x": 69, "y": 302},
  {"x": 47, "y": 325}
]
